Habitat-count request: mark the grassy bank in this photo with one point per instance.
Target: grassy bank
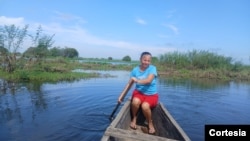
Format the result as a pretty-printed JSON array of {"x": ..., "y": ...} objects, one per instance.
[
  {"x": 175, "y": 72},
  {"x": 217, "y": 74},
  {"x": 50, "y": 70},
  {"x": 20, "y": 76},
  {"x": 60, "y": 69},
  {"x": 202, "y": 64}
]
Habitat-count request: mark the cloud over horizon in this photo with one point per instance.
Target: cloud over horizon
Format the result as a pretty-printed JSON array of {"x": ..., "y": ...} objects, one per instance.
[{"x": 78, "y": 37}]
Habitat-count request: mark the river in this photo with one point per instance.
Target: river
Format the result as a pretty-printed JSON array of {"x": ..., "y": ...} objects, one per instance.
[{"x": 80, "y": 110}]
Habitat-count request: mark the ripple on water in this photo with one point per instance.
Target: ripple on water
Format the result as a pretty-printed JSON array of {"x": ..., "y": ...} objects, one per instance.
[{"x": 80, "y": 110}]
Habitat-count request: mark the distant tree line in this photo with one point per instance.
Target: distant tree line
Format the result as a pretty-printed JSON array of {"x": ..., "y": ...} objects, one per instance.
[
  {"x": 12, "y": 39},
  {"x": 41, "y": 47},
  {"x": 53, "y": 52}
]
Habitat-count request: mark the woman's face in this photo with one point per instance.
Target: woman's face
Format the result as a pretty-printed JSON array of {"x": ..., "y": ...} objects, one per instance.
[{"x": 145, "y": 61}]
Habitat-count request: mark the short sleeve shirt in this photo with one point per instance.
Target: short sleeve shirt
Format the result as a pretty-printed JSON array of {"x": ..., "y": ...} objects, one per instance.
[{"x": 148, "y": 89}]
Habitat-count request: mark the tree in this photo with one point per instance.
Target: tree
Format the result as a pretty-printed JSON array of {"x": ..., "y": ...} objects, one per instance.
[
  {"x": 70, "y": 52},
  {"x": 3, "y": 51},
  {"x": 41, "y": 44},
  {"x": 11, "y": 38},
  {"x": 110, "y": 58},
  {"x": 55, "y": 52},
  {"x": 126, "y": 58},
  {"x": 29, "y": 52}
]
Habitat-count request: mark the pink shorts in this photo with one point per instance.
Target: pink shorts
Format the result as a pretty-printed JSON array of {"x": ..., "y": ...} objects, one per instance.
[{"x": 152, "y": 100}]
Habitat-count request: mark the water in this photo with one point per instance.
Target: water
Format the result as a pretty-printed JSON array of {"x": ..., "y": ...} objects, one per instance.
[{"x": 80, "y": 110}]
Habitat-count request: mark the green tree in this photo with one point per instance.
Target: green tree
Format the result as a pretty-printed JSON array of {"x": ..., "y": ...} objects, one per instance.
[
  {"x": 56, "y": 51},
  {"x": 70, "y": 52},
  {"x": 11, "y": 38},
  {"x": 3, "y": 51},
  {"x": 41, "y": 43},
  {"x": 29, "y": 52},
  {"x": 126, "y": 58}
]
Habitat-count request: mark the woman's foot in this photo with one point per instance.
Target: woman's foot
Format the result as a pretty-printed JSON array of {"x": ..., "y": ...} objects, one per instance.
[
  {"x": 147, "y": 130},
  {"x": 151, "y": 129},
  {"x": 133, "y": 124}
]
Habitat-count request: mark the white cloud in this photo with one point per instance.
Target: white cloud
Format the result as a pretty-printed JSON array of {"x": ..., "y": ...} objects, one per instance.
[
  {"x": 172, "y": 27},
  {"x": 79, "y": 37},
  {"x": 9, "y": 21},
  {"x": 141, "y": 21},
  {"x": 89, "y": 45}
]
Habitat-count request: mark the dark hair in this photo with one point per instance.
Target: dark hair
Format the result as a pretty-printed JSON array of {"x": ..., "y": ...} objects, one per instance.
[{"x": 145, "y": 53}]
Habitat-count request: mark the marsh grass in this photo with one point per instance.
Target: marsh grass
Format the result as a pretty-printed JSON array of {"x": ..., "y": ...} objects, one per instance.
[
  {"x": 198, "y": 65},
  {"x": 50, "y": 70},
  {"x": 32, "y": 76}
]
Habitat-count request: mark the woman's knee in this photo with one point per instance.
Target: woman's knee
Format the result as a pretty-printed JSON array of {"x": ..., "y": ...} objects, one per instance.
[
  {"x": 136, "y": 101},
  {"x": 145, "y": 106}
]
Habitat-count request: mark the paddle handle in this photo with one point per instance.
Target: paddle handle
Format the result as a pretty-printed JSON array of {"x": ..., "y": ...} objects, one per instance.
[
  {"x": 126, "y": 89},
  {"x": 121, "y": 97}
]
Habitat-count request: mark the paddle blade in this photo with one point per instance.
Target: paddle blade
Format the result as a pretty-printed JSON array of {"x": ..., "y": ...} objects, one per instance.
[{"x": 112, "y": 115}]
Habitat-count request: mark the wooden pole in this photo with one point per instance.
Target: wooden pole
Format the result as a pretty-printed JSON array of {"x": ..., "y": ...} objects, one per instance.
[{"x": 122, "y": 95}]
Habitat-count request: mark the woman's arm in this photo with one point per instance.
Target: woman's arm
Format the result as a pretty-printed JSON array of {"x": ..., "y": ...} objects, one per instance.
[{"x": 147, "y": 80}]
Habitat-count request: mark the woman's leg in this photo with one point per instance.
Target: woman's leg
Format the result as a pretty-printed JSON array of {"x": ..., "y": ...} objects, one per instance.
[
  {"x": 150, "y": 102},
  {"x": 135, "y": 105},
  {"x": 147, "y": 113}
]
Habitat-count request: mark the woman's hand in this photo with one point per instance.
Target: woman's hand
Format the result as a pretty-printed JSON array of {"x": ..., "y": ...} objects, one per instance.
[
  {"x": 119, "y": 99},
  {"x": 135, "y": 79}
]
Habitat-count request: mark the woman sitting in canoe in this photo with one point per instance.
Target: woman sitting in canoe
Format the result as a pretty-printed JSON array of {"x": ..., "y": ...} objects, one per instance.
[{"x": 145, "y": 94}]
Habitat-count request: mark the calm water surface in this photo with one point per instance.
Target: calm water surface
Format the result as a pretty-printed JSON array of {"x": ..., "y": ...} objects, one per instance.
[{"x": 79, "y": 110}]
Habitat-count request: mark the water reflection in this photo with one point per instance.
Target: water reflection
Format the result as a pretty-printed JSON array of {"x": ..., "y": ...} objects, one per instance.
[
  {"x": 79, "y": 110},
  {"x": 196, "y": 103}
]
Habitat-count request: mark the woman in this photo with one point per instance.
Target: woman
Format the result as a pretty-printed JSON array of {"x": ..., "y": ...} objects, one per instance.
[{"x": 145, "y": 94}]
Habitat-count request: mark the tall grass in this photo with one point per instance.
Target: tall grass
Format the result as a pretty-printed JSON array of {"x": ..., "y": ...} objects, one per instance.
[
  {"x": 194, "y": 64},
  {"x": 199, "y": 60},
  {"x": 202, "y": 64}
]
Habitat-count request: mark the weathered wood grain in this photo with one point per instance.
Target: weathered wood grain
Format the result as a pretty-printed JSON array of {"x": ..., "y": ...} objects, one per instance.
[{"x": 167, "y": 129}]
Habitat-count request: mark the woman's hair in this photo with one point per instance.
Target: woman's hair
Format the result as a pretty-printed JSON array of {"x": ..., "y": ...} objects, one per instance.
[{"x": 145, "y": 53}]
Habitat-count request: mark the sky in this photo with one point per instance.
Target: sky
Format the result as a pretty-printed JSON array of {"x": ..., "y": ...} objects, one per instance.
[{"x": 117, "y": 28}]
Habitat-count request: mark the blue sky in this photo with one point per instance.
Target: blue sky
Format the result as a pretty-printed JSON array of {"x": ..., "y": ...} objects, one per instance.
[{"x": 116, "y": 28}]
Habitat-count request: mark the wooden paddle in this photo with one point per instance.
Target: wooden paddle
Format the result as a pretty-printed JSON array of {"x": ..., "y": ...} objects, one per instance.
[{"x": 122, "y": 95}]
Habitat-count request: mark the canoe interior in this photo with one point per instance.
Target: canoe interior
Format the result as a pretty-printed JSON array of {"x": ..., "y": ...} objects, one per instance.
[{"x": 166, "y": 127}]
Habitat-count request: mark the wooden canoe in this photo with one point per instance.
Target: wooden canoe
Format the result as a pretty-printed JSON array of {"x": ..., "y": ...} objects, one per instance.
[{"x": 167, "y": 129}]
